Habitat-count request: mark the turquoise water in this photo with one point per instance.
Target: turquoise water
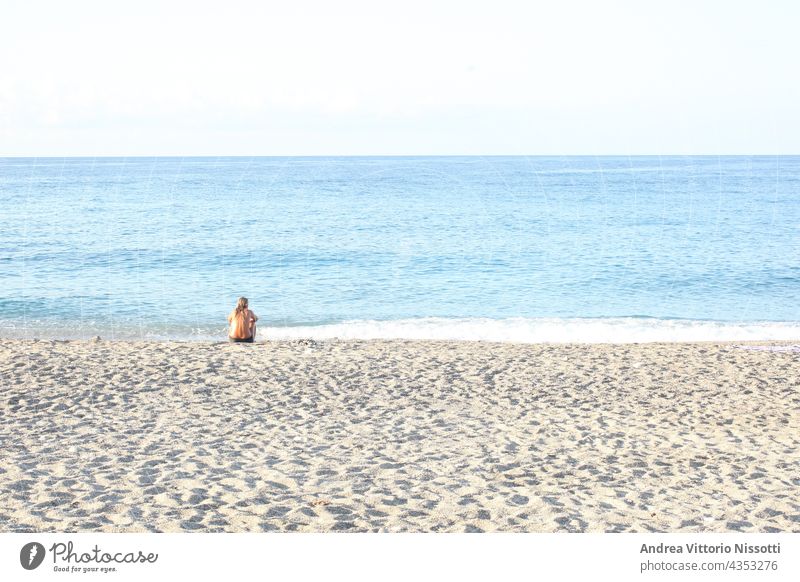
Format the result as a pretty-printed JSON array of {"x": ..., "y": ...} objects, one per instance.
[{"x": 517, "y": 248}]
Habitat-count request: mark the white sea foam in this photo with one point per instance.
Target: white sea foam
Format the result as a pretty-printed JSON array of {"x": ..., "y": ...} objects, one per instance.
[
  {"x": 545, "y": 330},
  {"x": 513, "y": 330}
]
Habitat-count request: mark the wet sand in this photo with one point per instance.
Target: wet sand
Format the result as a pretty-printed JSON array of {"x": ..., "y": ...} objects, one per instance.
[{"x": 398, "y": 436}]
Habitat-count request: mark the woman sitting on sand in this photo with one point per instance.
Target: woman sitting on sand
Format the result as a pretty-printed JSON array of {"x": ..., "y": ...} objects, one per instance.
[{"x": 242, "y": 323}]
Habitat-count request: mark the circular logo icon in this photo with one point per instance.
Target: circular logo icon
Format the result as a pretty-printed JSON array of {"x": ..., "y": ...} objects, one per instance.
[{"x": 31, "y": 555}]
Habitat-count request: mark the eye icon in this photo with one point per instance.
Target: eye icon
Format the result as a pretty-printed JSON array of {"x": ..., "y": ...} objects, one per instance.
[{"x": 31, "y": 555}]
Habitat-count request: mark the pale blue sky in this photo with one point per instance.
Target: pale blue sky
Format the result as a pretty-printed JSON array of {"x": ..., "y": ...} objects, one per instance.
[{"x": 413, "y": 77}]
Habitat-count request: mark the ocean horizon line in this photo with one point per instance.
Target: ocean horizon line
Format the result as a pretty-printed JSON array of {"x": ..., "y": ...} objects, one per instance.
[{"x": 404, "y": 155}]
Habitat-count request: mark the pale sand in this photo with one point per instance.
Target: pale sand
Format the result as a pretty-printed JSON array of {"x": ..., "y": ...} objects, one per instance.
[{"x": 398, "y": 436}]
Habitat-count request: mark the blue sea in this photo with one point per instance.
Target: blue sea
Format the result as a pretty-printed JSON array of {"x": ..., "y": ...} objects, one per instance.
[{"x": 529, "y": 249}]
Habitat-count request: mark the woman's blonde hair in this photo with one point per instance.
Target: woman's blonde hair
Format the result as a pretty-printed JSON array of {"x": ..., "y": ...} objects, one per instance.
[{"x": 241, "y": 305}]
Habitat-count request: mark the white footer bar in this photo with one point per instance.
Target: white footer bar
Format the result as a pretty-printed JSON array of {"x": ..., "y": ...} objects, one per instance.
[{"x": 373, "y": 557}]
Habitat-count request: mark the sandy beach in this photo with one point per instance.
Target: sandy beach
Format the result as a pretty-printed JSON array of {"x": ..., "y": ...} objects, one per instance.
[{"x": 398, "y": 436}]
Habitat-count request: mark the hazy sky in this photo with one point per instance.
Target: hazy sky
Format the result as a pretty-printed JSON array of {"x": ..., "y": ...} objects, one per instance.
[{"x": 406, "y": 77}]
